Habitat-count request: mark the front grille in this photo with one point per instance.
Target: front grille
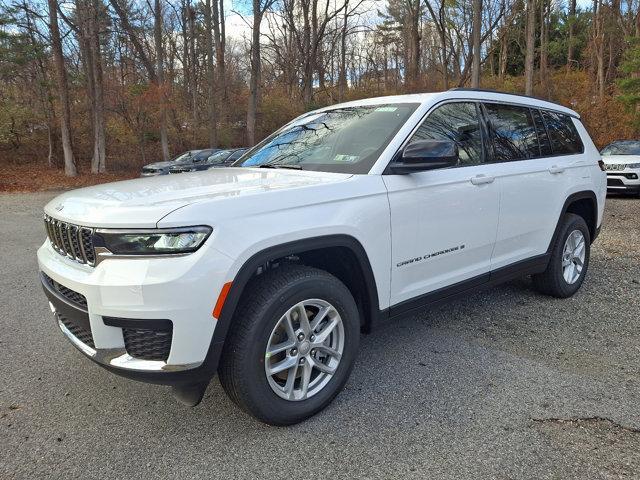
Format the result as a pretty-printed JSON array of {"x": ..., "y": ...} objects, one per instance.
[
  {"x": 148, "y": 344},
  {"x": 78, "y": 331},
  {"x": 615, "y": 167},
  {"x": 615, "y": 182},
  {"x": 74, "y": 297},
  {"x": 70, "y": 240}
]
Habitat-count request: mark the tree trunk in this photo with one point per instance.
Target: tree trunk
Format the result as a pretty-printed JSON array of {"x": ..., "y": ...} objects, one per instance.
[
  {"x": 211, "y": 79},
  {"x": 599, "y": 48},
  {"x": 531, "y": 37},
  {"x": 254, "y": 81},
  {"x": 157, "y": 37},
  {"x": 544, "y": 48},
  {"x": 475, "y": 38},
  {"x": 504, "y": 55},
  {"x": 572, "y": 28},
  {"x": 219, "y": 42},
  {"x": 342, "y": 75},
  {"x": 99, "y": 160},
  {"x": 193, "y": 76},
  {"x": 63, "y": 91}
]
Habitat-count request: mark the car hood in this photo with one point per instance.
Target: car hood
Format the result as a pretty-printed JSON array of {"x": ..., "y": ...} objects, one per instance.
[
  {"x": 620, "y": 159},
  {"x": 160, "y": 165},
  {"x": 141, "y": 203}
]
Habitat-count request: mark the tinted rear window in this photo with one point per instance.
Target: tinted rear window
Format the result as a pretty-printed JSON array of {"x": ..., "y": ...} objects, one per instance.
[
  {"x": 512, "y": 132},
  {"x": 564, "y": 137}
]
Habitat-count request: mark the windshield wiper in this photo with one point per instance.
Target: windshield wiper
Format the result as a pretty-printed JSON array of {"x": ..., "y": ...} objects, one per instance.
[{"x": 280, "y": 165}]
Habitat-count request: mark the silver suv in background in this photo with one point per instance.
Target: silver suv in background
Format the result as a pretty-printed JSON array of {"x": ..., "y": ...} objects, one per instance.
[{"x": 622, "y": 163}]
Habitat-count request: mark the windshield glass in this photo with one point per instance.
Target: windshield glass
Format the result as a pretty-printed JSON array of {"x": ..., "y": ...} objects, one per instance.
[
  {"x": 202, "y": 155},
  {"x": 343, "y": 140},
  {"x": 627, "y": 147},
  {"x": 182, "y": 156},
  {"x": 218, "y": 157}
]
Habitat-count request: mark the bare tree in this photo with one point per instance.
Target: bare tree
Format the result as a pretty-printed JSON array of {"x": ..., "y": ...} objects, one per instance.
[
  {"x": 157, "y": 39},
  {"x": 63, "y": 90},
  {"x": 475, "y": 39},
  {"x": 259, "y": 9},
  {"x": 530, "y": 49},
  {"x": 220, "y": 45},
  {"x": 544, "y": 46},
  {"x": 571, "y": 40},
  {"x": 211, "y": 77}
]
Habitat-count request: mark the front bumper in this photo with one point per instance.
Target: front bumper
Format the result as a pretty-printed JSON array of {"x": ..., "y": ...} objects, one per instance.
[
  {"x": 70, "y": 317},
  {"x": 182, "y": 290},
  {"x": 622, "y": 182}
]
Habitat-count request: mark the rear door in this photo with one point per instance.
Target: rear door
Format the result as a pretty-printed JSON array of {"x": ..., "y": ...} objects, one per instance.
[
  {"x": 444, "y": 221},
  {"x": 533, "y": 179}
]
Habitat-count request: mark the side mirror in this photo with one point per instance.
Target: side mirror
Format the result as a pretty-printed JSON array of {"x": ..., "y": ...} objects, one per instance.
[{"x": 426, "y": 155}]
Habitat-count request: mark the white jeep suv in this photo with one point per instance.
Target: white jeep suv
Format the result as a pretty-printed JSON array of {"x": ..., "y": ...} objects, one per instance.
[
  {"x": 622, "y": 163},
  {"x": 346, "y": 217}
]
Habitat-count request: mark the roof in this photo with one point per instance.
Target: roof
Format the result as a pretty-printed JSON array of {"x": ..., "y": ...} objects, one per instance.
[{"x": 459, "y": 93}]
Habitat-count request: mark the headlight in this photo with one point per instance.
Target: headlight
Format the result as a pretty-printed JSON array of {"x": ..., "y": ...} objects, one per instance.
[
  {"x": 152, "y": 241},
  {"x": 634, "y": 165}
]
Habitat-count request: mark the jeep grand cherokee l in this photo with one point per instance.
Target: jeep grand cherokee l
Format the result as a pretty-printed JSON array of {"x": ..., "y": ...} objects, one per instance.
[{"x": 346, "y": 217}]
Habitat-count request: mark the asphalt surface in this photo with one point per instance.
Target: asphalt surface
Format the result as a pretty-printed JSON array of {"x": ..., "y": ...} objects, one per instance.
[{"x": 506, "y": 384}]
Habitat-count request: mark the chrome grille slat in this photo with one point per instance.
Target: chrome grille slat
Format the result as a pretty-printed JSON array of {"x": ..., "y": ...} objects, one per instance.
[
  {"x": 64, "y": 235},
  {"x": 56, "y": 235},
  {"x": 72, "y": 233},
  {"x": 73, "y": 241}
]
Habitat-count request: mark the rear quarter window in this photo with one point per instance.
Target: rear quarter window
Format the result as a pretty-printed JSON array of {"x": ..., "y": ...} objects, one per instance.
[{"x": 564, "y": 138}]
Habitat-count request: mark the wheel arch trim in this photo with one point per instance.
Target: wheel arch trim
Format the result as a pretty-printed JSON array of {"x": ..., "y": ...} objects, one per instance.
[
  {"x": 250, "y": 266},
  {"x": 574, "y": 197}
]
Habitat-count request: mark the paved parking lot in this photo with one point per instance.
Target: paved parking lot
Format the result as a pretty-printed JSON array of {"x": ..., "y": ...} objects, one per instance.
[{"x": 505, "y": 384}]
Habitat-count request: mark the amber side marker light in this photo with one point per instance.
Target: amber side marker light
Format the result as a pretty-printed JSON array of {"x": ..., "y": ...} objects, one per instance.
[{"x": 217, "y": 310}]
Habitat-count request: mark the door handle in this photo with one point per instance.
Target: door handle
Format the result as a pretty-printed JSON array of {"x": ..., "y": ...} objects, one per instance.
[
  {"x": 556, "y": 169},
  {"x": 482, "y": 179}
]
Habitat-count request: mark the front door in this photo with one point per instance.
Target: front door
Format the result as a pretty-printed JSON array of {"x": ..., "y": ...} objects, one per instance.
[{"x": 443, "y": 222}]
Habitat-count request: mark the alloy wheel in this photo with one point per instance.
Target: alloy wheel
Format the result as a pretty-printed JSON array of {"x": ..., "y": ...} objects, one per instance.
[
  {"x": 304, "y": 349},
  {"x": 573, "y": 257}
]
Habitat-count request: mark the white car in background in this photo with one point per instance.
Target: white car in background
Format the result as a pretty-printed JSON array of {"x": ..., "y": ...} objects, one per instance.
[{"x": 622, "y": 163}]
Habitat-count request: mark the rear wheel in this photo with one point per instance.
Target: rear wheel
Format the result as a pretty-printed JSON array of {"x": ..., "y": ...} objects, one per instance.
[
  {"x": 569, "y": 259},
  {"x": 292, "y": 344}
]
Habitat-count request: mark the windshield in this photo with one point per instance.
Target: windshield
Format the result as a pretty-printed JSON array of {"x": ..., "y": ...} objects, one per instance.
[
  {"x": 627, "y": 147},
  {"x": 182, "y": 156},
  {"x": 344, "y": 140},
  {"x": 218, "y": 157},
  {"x": 203, "y": 155}
]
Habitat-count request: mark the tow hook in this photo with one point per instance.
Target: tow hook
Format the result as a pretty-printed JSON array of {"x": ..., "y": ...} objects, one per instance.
[{"x": 190, "y": 394}]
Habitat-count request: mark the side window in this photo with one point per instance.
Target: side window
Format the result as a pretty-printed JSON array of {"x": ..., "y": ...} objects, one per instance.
[
  {"x": 543, "y": 138},
  {"x": 511, "y": 132},
  {"x": 458, "y": 122},
  {"x": 564, "y": 137}
]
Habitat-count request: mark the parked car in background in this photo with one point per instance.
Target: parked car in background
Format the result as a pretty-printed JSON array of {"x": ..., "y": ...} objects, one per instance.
[
  {"x": 186, "y": 158},
  {"x": 622, "y": 163},
  {"x": 222, "y": 158}
]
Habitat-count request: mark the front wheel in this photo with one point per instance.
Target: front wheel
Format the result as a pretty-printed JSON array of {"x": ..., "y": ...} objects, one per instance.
[
  {"x": 569, "y": 259},
  {"x": 292, "y": 345}
]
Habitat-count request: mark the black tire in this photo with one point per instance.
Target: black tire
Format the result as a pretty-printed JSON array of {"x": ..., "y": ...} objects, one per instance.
[
  {"x": 266, "y": 299},
  {"x": 551, "y": 281}
]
